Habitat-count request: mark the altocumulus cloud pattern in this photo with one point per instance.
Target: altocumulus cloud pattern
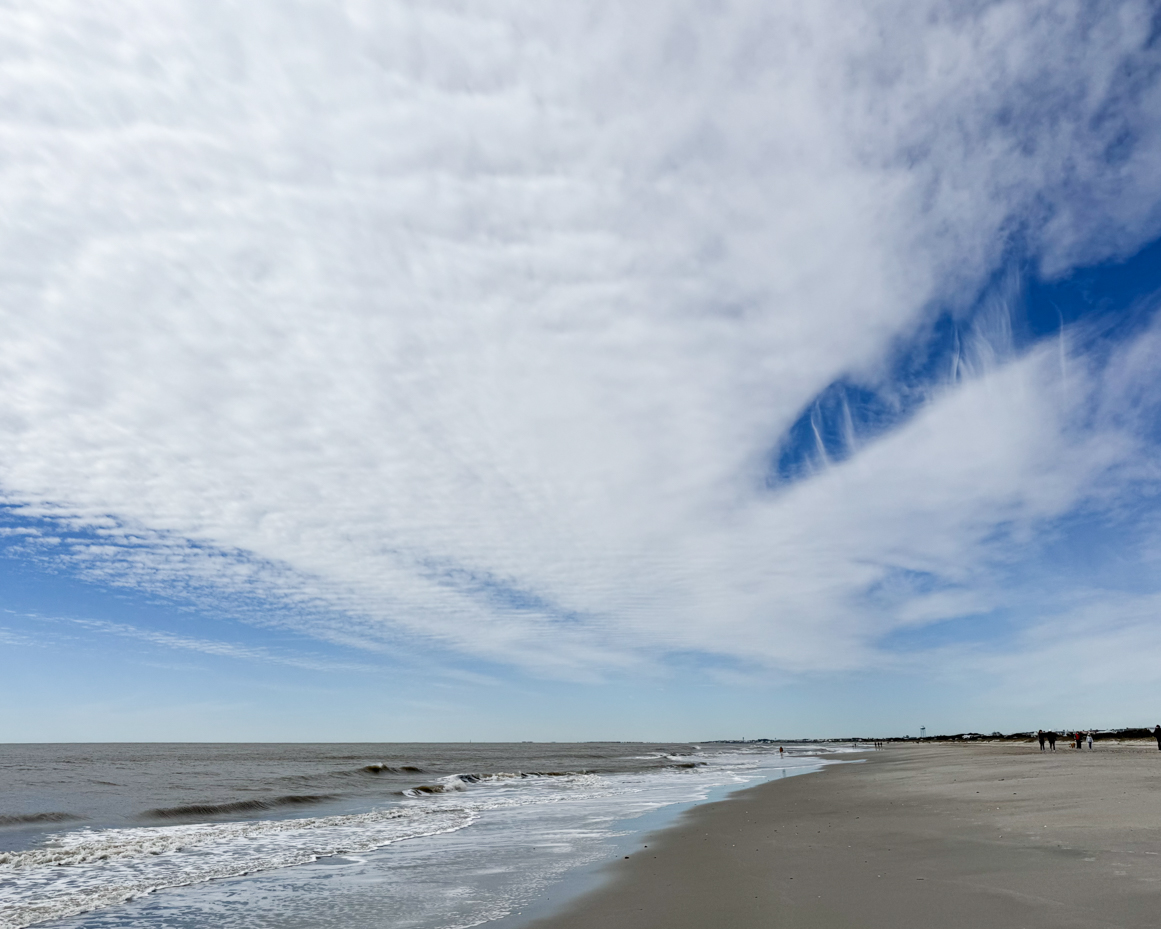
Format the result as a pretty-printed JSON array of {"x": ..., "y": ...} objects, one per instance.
[{"x": 575, "y": 337}]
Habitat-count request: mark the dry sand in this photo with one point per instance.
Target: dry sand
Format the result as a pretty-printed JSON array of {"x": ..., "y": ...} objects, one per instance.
[{"x": 943, "y": 836}]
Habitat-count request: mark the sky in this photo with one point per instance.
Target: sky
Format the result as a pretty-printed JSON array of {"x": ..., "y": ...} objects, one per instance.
[{"x": 671, "y": 370}]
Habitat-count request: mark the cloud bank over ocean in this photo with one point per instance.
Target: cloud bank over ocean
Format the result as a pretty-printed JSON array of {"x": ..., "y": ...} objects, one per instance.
[{"x": 581, "y": 339}]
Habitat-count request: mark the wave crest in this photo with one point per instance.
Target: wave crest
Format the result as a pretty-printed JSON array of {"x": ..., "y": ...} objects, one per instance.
[
  {"x": 237, "y": 806},
  {"x": 24, "y": 819}
]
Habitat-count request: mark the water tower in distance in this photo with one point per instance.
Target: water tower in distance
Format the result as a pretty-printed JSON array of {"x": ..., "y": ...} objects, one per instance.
[{"x": 923, "y": 732}]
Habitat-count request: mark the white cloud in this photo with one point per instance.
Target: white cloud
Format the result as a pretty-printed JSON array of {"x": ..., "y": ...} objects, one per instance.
[
  {"x": 480, "y": 327},
  {"x": 8, "y": 637},
  {"x": 218, "y": 648}
]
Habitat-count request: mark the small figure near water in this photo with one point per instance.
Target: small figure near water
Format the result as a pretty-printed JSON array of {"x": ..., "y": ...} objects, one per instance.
[{"x": 1041, "y": 737}]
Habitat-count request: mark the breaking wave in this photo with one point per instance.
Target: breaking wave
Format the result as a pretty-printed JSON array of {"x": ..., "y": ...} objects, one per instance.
[
  {"x": 237, "y": 806},
  {"x": 455, "y": 782},
  {"x": 24, "y": 819},
  {"x": 389, "y": 769}
]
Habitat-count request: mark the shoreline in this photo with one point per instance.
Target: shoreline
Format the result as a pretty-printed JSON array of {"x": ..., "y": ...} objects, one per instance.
[
  {"x": 593, "y": 877},
  {"x": 965, "y": 835}
]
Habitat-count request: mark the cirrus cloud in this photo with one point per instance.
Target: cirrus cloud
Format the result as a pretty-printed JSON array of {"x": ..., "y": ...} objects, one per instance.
[{"x": 482, "y": 327}]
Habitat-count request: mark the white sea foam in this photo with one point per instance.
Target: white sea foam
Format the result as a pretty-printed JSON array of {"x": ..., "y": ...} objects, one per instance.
[{"x": 84, "y": 870}]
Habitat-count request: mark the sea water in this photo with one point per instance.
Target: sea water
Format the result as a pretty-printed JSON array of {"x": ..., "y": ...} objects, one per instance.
[{"x": 430, "y": 836}]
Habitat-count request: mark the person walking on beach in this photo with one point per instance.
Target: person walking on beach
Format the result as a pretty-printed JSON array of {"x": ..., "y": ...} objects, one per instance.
[
  {"x": 1052, "y": 740},
  {"x": 1090, "y": 741},
  {"x": 1078, "y": 740},
  {"x": 1040, "y": 736},
  {"x": 1157, "y": 736}
]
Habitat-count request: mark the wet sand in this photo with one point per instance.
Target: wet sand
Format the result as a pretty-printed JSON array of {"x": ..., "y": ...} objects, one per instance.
[{"x": 946, "y": 836}]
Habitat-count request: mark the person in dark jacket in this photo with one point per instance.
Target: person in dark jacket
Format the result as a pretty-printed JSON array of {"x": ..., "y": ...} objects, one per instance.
[
  {"x": 1040, "y": 736},
  {"x": 1157, "y": 736},
  {"x": 1052, "y": 740}
]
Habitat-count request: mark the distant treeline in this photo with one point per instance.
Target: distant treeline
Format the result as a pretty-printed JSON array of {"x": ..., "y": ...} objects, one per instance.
[{"x": 1097, "y": 735}]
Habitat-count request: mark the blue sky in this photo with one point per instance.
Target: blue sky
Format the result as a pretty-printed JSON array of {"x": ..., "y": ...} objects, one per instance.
[{"x": 387, "y": 371}]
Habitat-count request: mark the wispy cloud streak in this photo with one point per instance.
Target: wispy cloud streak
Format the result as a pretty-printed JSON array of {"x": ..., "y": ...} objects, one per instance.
[{"x": 214, "y": 647}]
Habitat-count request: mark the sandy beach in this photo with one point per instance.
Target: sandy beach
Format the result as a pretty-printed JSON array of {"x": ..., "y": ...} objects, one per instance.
[{"x": 948, "y": 835}]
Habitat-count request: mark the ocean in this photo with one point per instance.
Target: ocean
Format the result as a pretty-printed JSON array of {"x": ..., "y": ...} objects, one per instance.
[{"x": 423, "y": 836}]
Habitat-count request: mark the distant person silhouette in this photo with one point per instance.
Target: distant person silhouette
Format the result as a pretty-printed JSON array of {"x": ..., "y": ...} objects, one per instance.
[
  {"x": 1157, "y": 736},
  {"x": 1040, "y": 736},
  {"x": 1090, "y": 741},
  {"x": 1052, "y": 739}
]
